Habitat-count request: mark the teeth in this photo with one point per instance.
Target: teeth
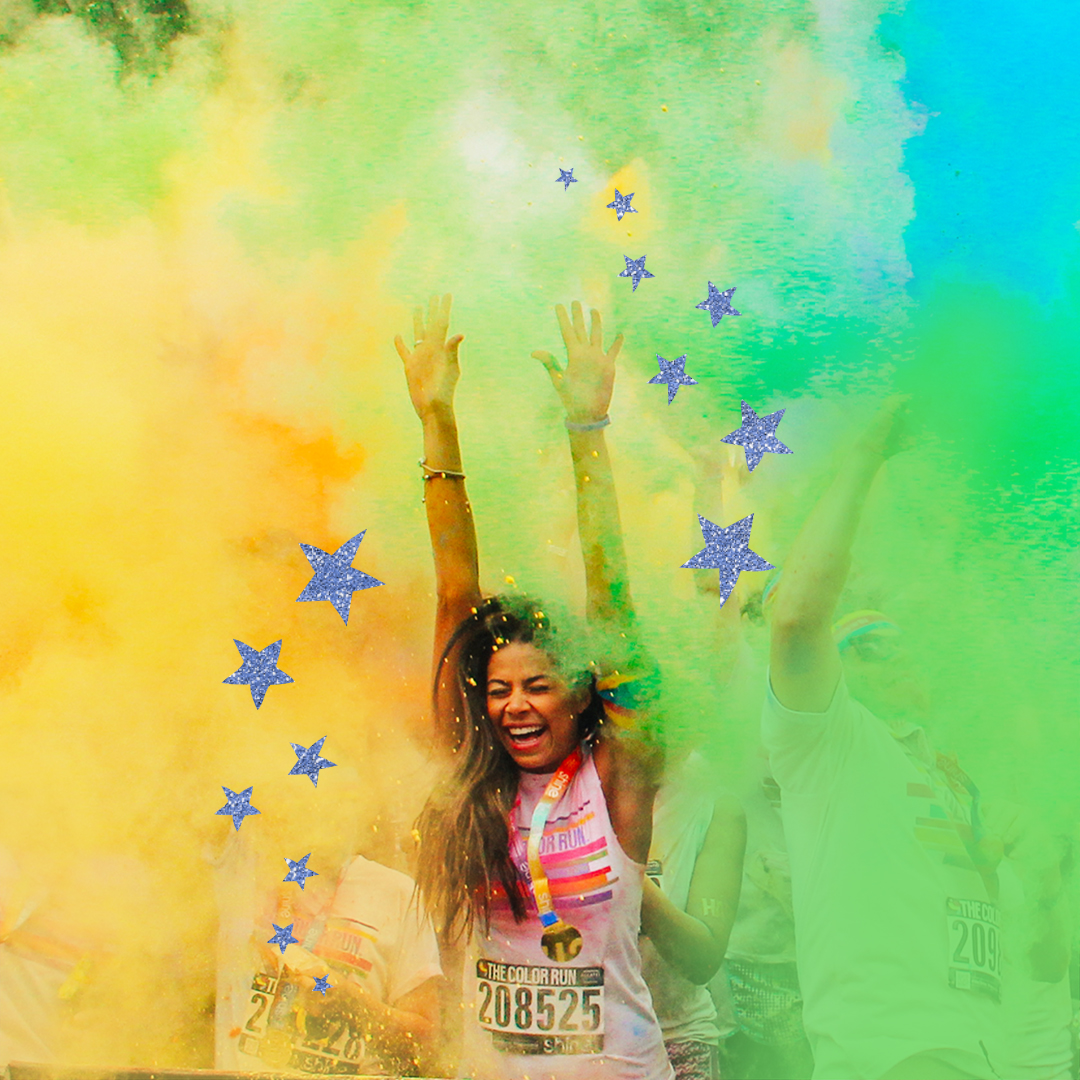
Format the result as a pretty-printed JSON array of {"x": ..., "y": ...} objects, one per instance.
[{"x": 521, "y": 733}]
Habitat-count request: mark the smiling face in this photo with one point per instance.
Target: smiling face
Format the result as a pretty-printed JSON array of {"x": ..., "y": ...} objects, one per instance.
[{"x": 533, "y": 711}]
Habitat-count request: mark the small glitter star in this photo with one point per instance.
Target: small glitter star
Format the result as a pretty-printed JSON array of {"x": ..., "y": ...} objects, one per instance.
[
  {"x": 635, "y": 269},
  {"x": 298, "y": 870},
  {"x": 335, "y": 580},
  {"x": 308, "y": 762},
  {"x": 717, "y": 303},
  {"x": 259, "y": 670},
  {"x": 283, "y": 936},
  {"x": 322, "y": 984},
  {"x": 621, "y": 205},
  {"x": 238, "y": 806},
  {"x": 672, "y": 373},
  {"x": 567, "y": 177},
  {"x": 727, "y": 550},
  {"x": 757, "y": 436}
]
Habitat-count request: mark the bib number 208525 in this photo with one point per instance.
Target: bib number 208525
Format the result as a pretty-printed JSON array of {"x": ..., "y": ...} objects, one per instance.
[{"x": 533, "y": 1009}]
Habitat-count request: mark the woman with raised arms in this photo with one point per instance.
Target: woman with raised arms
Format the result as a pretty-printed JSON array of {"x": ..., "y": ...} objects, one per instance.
[{"x": 532, "y": 853}]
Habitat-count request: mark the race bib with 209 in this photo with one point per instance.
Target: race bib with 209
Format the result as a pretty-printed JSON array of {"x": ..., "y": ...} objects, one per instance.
[
  {"x": 974, "y": 946},
  {"x": 537, "y": 1009}
]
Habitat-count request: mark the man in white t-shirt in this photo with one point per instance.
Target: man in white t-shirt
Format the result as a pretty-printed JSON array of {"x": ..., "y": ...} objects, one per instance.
[
  {"x": 897, "y": 930},
  {"x": 366, "y": 938}
]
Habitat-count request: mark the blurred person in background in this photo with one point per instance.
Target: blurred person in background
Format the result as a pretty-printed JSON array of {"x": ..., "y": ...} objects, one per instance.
[
  {"x": 1035, "y": 1038},
  {"x": 898, "y": 929},
  {"x": 77, "y": 957},
  {"x": 357, "y": 927},
  {"x": 688, "y": 906},
  {"x": 757, "y": 993}
]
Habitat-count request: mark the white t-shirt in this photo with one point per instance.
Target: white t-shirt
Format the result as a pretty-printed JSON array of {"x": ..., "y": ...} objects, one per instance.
[
  {"x": 1033, "y": 1040},
  {"x": 764, "y": 928},
  {"x": 682, "y": 814},
  {"x": 37, "y": 956},
  {"x": 370, "y": 932},
  {"x": 898, "y": 942}
]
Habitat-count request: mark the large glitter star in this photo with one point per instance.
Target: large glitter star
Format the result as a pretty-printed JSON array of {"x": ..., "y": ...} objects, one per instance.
[
  {"x": 238, "y": 805},
  {"x": 727, "y": 550},
  {"x": 672, "y": 373},
  {"x": 717, "y": 303},
  {"x": 283, "y": 937},
  {"x": 335, "y": 580},
  {"x": 259, "y": 670},
  {"x": 635, "y": 269},
  {"x": 322, "y": 984},
  {"x": 298, "y": 870},
  {"x": 621, "y": 205},
  {"x": 567, "y": 177},
  {"x": 757, "y": 436},
  {"x": 308, "y": 762}
]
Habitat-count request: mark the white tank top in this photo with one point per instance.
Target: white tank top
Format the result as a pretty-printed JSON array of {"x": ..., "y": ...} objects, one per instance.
[{"x": 591, "y": 1018}]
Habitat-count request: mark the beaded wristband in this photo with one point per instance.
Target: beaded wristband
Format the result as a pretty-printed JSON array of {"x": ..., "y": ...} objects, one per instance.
[{"x": 596, "y": 425}]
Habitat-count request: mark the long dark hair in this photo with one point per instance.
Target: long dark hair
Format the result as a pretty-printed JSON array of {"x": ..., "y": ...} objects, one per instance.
[{"x": 464, "y": 827}]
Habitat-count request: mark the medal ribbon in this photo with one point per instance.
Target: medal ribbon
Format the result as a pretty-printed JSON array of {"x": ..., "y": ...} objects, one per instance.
[
  {"x": 554, "y": 791},
  {"x": 958, "y": 779}
]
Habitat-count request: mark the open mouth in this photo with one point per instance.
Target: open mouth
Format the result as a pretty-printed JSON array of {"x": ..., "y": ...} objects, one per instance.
[{"x": 525, "y": 736}]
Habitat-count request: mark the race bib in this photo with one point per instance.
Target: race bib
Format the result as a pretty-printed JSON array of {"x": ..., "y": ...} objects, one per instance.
[
  {"x": 283, "y": 1036},
  {"x": 533, "y": 1009},
  {"x": 974, "y": 947}
]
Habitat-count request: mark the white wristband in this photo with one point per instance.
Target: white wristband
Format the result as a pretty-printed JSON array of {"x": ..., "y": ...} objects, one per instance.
[{"x": 596, "y": 425}]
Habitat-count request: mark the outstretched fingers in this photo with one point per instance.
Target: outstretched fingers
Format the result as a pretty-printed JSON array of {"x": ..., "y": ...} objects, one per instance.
[
  {"x": 401, "y": 350},
  {"x": 579, "y": 320},
  {"x": 418, "y": 324},
  {"x": 616, "y": 345},
  {"x": 596, "y": 331},
  {"x": 564, "y": 325}
]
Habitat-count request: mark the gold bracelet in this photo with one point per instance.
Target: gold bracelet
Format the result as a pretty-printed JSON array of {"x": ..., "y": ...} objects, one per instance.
[{"x": 440, "y": 474}]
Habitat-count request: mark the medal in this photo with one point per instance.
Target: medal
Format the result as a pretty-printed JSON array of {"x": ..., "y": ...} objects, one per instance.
[{"x": 560, "y": 941}]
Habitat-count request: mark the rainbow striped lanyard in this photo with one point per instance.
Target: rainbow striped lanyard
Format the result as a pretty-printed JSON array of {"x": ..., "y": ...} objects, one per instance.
[{"x": 556, "y": 788}]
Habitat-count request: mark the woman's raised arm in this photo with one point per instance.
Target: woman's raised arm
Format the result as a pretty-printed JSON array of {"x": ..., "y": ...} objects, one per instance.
[
  {"x": 628, "y": 760},
  {"x": 432, "y": 371},
  {"x": 584, "y": 386}
]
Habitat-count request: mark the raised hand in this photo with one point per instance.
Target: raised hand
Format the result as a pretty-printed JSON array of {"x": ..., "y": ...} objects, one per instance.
[
  {"x": 431, "y": 366},
  {"x": 584, "y": 385}
]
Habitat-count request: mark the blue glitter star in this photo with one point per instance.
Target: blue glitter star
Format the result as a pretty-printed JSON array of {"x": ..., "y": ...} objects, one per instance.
[
  {"x": 322, "y": 984},
  {"x": 757, "y": 436},
  {"x": 283, "y": 936},
  {"x": 298, "y": 870},
  {"x": 621, "y": 205},
  {"x": 672, "y": 373},
  {"x": 717, "y": 303},
  {"x": 727, "y": 550},
  {"x": 238, "y": 806},
  {"x": 567, "y": 178},
  {"x": 635, "y": 269},
  {"x": 308, "y": 762},
  {"x": 335, "y": 580},
  {"x": 259, "y": 670}
]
